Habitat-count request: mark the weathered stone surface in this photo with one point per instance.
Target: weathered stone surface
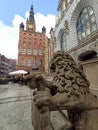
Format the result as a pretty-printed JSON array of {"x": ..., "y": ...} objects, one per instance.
[{"x": 69, "y": 90}]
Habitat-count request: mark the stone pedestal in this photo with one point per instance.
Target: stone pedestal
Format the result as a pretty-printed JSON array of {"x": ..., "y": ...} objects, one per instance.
[{"x": 41, "y": 120}]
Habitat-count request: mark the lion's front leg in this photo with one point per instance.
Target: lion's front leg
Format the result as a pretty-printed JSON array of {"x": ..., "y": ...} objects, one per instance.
[
  {"x": 40, "y": 112},
  {"x": 58, "y": 101}
]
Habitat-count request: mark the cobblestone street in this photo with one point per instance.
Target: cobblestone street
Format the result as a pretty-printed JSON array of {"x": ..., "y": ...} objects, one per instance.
[{"x": 15, "y": 107}]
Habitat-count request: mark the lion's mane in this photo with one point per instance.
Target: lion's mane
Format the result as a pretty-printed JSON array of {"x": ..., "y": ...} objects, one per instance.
[{"x": 67, "y": 76}]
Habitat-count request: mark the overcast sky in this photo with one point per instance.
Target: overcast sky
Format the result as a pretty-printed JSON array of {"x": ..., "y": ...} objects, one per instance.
[{"x": 13, "y": 12}]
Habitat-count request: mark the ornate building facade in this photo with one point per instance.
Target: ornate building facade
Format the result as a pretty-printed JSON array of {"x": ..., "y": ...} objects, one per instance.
[
  {"x": 31, "y": 45},
  {"x": 49, "y": 50},
  {"x": 76, "y": 32},
  {"x": 77, "y": 26},
  {"x": 47, "y": 55},
  {"x": 52, "y": 41}
]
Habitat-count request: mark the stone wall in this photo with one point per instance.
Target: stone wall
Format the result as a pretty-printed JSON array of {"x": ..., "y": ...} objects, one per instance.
[{"x": 90, "y": 68}]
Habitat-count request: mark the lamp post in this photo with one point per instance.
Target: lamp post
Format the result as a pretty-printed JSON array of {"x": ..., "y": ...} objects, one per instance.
[{"x": 35, "y": 67}]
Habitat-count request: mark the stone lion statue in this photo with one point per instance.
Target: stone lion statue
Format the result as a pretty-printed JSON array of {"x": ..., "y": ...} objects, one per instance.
[{"x": 69, "y": 89}]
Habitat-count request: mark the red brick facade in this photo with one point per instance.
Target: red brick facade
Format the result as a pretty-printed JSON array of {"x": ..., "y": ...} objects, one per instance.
[{"x": 31, "y": 46}]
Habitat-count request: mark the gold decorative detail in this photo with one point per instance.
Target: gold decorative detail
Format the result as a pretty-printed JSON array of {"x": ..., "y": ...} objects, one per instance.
[{"x": 30, "y": 26}]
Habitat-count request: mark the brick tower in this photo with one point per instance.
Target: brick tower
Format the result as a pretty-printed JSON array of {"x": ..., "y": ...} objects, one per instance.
[{"x": 31, "y": 45}]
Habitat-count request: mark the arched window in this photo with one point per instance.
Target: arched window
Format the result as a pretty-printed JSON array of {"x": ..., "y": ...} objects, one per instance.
[
  {"x": 63, "y": 42},
  {"x": 86, "y": 24}
]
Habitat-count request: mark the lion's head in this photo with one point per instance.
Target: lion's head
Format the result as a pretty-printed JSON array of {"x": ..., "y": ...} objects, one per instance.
[{"x": 67, "y": 76}]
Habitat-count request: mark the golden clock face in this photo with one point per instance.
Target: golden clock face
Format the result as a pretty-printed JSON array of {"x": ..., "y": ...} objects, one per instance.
[{"x": 30, "y": 26}]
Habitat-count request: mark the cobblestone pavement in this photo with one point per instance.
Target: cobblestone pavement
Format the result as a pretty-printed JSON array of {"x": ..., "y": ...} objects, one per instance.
[{"x": 15, "y": 107}]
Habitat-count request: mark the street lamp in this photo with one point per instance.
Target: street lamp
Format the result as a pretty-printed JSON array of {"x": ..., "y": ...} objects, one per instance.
[{"x": 35, "y": 67}]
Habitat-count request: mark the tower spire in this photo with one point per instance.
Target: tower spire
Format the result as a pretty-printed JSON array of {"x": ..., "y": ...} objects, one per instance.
[
  {"x": 31, "y": 14},
  {"x": 30, "y": 23}
]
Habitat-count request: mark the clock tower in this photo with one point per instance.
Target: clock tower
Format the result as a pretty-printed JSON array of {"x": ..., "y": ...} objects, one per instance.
[
  {"x": 31, "y": 46},
  {"x": 30, "y": 23}
]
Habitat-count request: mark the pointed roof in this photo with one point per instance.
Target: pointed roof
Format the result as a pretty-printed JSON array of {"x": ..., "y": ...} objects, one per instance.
[
  {"x": 43, "y": 29},
  {"x": 31, "y": 14},
  {"x": 22, "y": 25}
]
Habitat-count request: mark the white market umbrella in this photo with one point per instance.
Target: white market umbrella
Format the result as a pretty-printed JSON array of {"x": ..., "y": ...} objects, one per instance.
[{"x": 18, "y": 72}]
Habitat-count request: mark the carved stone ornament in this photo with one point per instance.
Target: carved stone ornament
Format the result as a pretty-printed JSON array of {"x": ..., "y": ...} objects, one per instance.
[
  {"x": 66, "y": 27},
  {"x": 68, "y": 90}
]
